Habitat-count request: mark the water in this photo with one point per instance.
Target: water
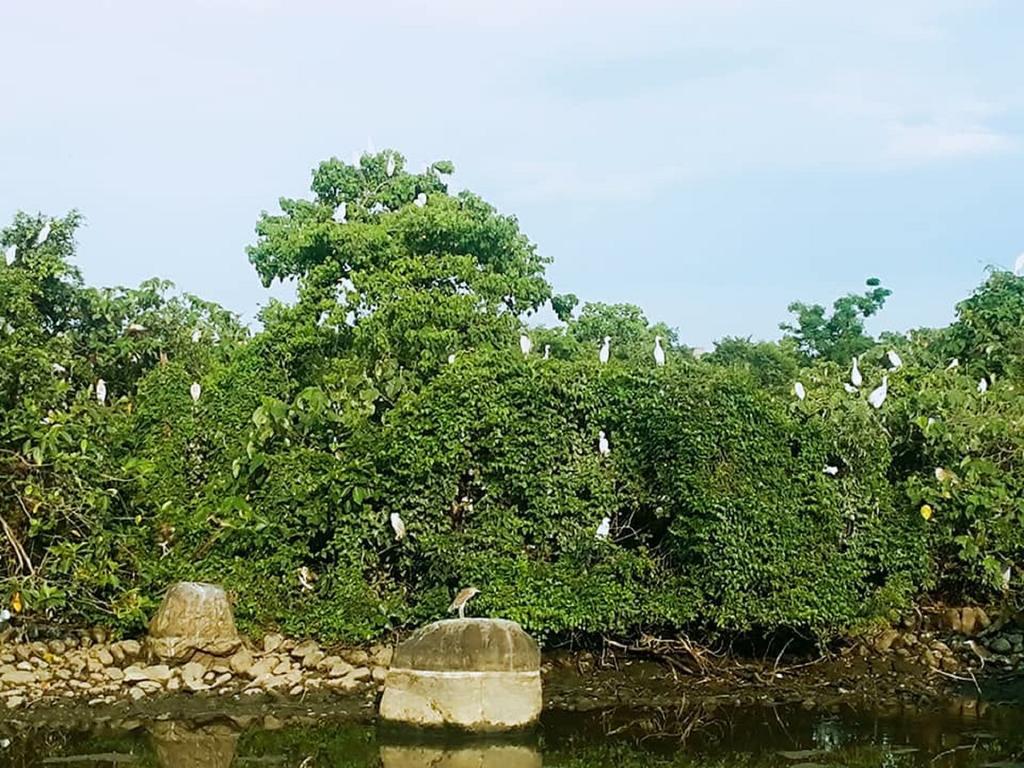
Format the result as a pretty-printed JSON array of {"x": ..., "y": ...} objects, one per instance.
[{"x": 961, "y": 735}]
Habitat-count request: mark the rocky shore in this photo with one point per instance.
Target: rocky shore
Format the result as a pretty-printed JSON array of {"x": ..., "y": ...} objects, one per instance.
[{"x": 90, "y": 668}]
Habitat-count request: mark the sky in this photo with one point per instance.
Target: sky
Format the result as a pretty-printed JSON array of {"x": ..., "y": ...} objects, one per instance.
[{"x": 709, "y": 160}]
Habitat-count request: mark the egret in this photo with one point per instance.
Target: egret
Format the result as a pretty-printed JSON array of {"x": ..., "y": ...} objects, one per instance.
[
  {"x": 340, "y": 212},
  {"x": 602, "y": 444},
  {"x": 391, "y": 166},
  {"x": 894, "y": 359},
  {"x": 942, "y": 474},
  {"x": 525, "y": 344},
  {"x": 983, "y": 385},
  {"x": 398, "y": 526},
  {"x": 1006, "y": 578},
  {"x": 604, "y": 530},
  {"x": 195, "y": 391},
  {"x": 1018, "y": 266},
  {"x": 831, "y": 470},
  {"x": 877, "y": 396},
  {"x": 606, "y": 350},
  {"x": 101, "y": 391},
  {"x": 855, "y": 378},
  {"x": 850, "y": 389},
  {"x": 421, "y": 200},
  {"x": 801, "y": 393},
  {"x": 58, "y": 368},
  {"x": 10, "y": 254},
  {"x": 547, "y": 351},
  {"x": 43, "y": 234},
  {"x": 306, "y": 578},
  {"x": 451, "y": 358},
  {"x": 135, "y": 329},
  {"x": 954, "y": 363},
  {"x": 459, "y": 603},
  {"x": 197, "y": 334},
  {"x": 659, "y": 353}
]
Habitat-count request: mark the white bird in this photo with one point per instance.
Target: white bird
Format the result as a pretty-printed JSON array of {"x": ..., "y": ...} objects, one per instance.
[
  {"x": 197, "y": 334},
  {"x": 451, "y": 358},
  {"x": 525, "y": 344},
  {"x": 58, "y": 368},
  {"x": 604, "y": 530},
  {"x": 101, "y": 391},
  {"x": 983, "y": 385},
  {"x": 43, "y": 234},
  {"x": 195, "y": 391},
  {"x": 894, "y": 359},
  {"x": 877, "y": 396},
  {"x": 340, "y": 212},
  {"x": 602, "y": 444},
  {"x": 830, "y": 470},
  {"x": 1018, "y": 266},
  {"x": 5, "y": 615},
  {"x": 421, "y": 200},
  {"x": 1006, "y": 578},
  {"x": 801, "y": 393},
  {"x": 135, "y": 328},
  {"x": 850, "y": 389},
  {"x": 547, "y": 351},
  {"x": 855, "y": 378},
  {"x": 606, "y": 350},
  {"x": 398, "y": 526},
  {"x": 954, "y": 363},
  {"x": 10, "y": 254},
  {"x": 659, "y": 353},
  {"x": 391, "y": 166},
  {"x": 306, "y": 578}
]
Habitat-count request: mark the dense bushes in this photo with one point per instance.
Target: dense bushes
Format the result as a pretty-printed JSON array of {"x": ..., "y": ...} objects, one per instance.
[{"x": 394, "y": 384}]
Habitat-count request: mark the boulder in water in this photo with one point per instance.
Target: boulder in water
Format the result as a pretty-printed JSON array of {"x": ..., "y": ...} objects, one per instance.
[{"x": 194, "y": 617}]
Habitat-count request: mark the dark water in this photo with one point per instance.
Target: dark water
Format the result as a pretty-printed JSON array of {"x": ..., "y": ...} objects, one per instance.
[{"x": 960, "y": 734}]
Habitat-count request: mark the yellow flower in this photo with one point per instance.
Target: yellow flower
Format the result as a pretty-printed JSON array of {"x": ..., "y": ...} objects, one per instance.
[
  {"x": 926, "y": 511},
  {"x": 16, "y": 602}
]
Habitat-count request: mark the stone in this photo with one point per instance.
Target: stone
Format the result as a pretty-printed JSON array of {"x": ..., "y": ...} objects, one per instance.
[
  {"x": 304, "y": 648},
  {"x": 883, "y": 643},
  {"x": 360, "y": 674},
  {"x": 186, "y": 745},
  {"x": 949, "y": 664},
  {"x": 951, "y": 620},
  {"x": 136, "y": 693},
  {"x": 356, "y": 657},
  {"x": 1000, "y": 645},
  {"x": 57, "y": 647},
  {"x": 104, "y": 657},
  {"x": 114, "y": 673},
  {"x": 312, "y": 660},
  {"x": 262, "y": 668},
  {"x": 13, "y": 702},
  {"x": 24, "y": 666},
  {"x": 241, "y": 662},
  {"x": 473, "y": 674},
  {"x": 339, "y": 669},
  {"x": 18, "y": 677},
  {"x": 381, "y": 655},
  {"x": 221, "y": 679},
  {"x": 131, "y": 648},
  {"x": 193, "y": 671},
  {"x": 23, "y": 652},
  {"x": 193, "y": 617},
  {"x": 117, "y": 653},
  {"x": 282, "y": 667},
  {"x": 272, "y": 642},
  {"x": 296, "y": 690}
]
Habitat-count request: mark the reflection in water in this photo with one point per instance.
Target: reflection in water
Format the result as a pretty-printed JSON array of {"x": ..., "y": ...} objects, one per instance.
[
  {"x": 964, "y": 736},
  {"x": 183, "y": 745},
  {"x": 461, "y": 756}
]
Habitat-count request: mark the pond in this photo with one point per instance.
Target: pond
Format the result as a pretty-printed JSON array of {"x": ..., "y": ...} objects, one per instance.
[{"x": 963, "y": 733}]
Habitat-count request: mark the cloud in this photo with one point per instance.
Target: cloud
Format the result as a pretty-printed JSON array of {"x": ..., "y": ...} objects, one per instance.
[{"x": 937, "y": 142}]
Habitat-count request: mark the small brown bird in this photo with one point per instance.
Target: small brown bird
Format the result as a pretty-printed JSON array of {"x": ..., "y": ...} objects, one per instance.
[{"x": 459, "y": 603}]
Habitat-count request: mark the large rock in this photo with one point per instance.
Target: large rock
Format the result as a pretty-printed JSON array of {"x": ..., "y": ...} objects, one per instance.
[
  {"x": 180, "y": 745},
  {"x": 193, "y": 617},
  {"x": 475, "y": 756},
  {"x": 474, "y": 674}
]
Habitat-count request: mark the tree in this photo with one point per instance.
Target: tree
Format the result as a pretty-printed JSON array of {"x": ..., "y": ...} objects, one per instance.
[
  {"x": 839, "y": 336},
  {"x": 631, "y": 333}
]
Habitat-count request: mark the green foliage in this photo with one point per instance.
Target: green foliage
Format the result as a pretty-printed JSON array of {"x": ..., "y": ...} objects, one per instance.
[
  {"x": 394, "y": 385},
  {"x": 839, "y": 336}
]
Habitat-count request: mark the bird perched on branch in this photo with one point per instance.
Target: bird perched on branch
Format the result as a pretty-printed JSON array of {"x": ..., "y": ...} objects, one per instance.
[
  {"x": 659, "y": 353},
  {"x": 398, "y": 526},
  {"x": 459, "y": 603},
  {"x": 606, "y": 350}
]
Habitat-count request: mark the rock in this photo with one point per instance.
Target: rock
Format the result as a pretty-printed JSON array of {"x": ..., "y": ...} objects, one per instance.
[
  {"x": 380, "y": 655},
  {"x": 241, "y": 662},
  {"x": 221, "y": 679},
  {"x": 99, "y": 635},
  {"x": 136, "y": 693},
  {"x": 57, "y": 647},
  {"x": 339, "y": 669},
  {"x": 296, "y": 690},
  {"x": 356, "y": 657},
  {"x": 951, "y": 620},
  {"x": 883, "y": 643},
  {"x": 134, "y": 674},
  {"x": 117, "y": 653},
  {"x": 282, "y": 667},
  {"x": 379, "y": 674},
  {"x": 949, "y": 664},
  {"x": 400, "y": 755},
  {"x": 193, "y": 671},
  {"x": 114, "y": 673},
  {"x": 497, "y": 685},
  {"x": 22, "y": 652},
  {"x": 185, "y": 745},
  {"x": 104, "y": 657},
  {"x": 304, "y": 648},
  {"x": 24, "y": 666},
  {"x": 193, "y": 617},
  {"x": 262, "y": 668},
  {"x": 18, "y": 677},
  {"x": 272, "y": 642},
  {"x": 312, "y": 660},
  {"x": 131, "y": 648},
  {"x": 1000, "y": 645},
  {"x": 13, "y": 702}
]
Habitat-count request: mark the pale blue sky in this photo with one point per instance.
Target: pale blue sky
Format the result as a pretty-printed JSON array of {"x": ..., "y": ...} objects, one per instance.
[{"x": 710, "y": 160}]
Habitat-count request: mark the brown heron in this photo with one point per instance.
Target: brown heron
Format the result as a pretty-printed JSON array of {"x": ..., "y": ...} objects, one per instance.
[{"x": 459, "y": 603}]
